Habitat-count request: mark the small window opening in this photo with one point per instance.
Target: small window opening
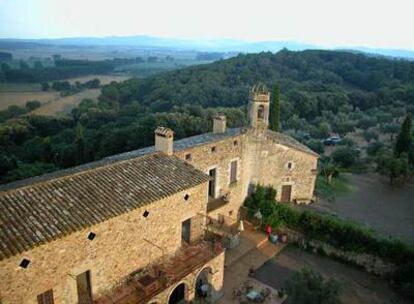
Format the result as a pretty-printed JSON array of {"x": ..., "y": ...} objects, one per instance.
[
  {"x": 235, "y": 143},
  {"x": 24, "y": 263},
  {"x": 213, "y": 149},
  {"x": 260, "y": 112},
  {"x": 186, "y": 197},
  {"x": 145, "y": 214},
  {"x": 188, "y": 156},
  {"x": 290, "y": 165},
  {"x": 91, "y": 236}
]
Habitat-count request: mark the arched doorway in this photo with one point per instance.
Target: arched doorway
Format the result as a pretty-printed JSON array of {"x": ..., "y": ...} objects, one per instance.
[
  {"x": 203, "y": 287},
  {"x": 178, "y": 295}
]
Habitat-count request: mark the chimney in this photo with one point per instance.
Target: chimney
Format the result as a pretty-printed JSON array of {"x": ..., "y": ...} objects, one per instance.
[
  {"x": 219, "y": 124},
  {"x": 164, "y": 140}
]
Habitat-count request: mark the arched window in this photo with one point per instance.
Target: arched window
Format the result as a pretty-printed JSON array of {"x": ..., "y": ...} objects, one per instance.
[{"x": 260, "y": 112}]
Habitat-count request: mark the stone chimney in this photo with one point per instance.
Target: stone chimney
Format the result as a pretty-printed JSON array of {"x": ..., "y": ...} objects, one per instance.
[
  {"x": 219, "y": 124},
  {"x": 164, "y": 140}
]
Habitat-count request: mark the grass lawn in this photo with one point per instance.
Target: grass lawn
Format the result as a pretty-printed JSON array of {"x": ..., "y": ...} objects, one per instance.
[{"x": 339, "y": 186}]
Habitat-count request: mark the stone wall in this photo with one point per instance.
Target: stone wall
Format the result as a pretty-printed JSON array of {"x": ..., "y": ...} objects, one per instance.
[
  {"x": 226, "y": 151},
  {"x": 122, "y": 245},
  {"x": 269, "y": 166}
]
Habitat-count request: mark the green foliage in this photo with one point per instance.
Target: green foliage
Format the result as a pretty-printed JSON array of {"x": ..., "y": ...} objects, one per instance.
[
  {"x": 344, "y": 157},
  {"x": 274, "y": 117},
  {"x": 32, "y": 105},
  {"x": 330, "y": 185},
  {"x": 309, "y": 287},
  {"x": 393, "y": 166},
  {"x": 323, "y": 92},
  {"x": 404, "y": 137}
]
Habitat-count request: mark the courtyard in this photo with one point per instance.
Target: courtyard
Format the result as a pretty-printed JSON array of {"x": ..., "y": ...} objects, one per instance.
[
  {"x": 373, "y": 202},
  {"x": 263, "y": 265}
]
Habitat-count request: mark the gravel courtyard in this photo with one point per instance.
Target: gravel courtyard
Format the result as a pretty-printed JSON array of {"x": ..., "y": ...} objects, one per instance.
[
  {"x": 357, "y": 286},
  {"x": 373, "y": 202}
]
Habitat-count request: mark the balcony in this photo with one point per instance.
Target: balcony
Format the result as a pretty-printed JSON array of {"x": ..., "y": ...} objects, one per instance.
[
  {"x": 142, "y": 285},
  {"x": 216, "y": 203}
]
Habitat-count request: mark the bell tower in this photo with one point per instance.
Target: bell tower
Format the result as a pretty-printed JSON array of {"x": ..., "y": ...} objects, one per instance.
[{"x": 259, "y": 107}]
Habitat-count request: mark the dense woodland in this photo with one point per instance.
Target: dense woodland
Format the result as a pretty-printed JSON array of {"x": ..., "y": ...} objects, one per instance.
[{"x": 321, "y": 92}]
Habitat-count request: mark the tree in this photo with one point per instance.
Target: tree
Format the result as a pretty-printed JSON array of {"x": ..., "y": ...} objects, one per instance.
[
  {"x": 345, "y": 157},
  {"x": 309, "y": 287},
  {"x": 274, "y": 117},
  {"x": 404, "y": 137},
  {"x": 32, "y": 105},
  {"x": 392, "y": 166},
  {"x": 45, "y": 86}
]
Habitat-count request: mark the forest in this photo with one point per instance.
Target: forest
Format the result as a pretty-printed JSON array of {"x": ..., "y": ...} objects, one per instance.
[{"x": 321, "y": 92}]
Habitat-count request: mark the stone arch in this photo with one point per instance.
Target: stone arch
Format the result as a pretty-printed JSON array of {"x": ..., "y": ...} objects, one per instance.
[
  {"x": 203, "y": 282},
  {"x": 179, "y": 293}
]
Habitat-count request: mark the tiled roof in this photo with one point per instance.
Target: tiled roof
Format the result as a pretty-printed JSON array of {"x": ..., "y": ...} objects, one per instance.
[
  {"x": 288, "y": 141},
  {"x": 43, "y": 211}
]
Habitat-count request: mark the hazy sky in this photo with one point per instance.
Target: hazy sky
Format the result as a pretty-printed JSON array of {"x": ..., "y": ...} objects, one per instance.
[{"x": 375, "y": 23}]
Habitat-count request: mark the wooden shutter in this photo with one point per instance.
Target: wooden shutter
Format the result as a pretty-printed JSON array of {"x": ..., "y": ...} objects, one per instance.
[
  {"x": 46, "y": 297},
  {"x": 233, "y": 172}
]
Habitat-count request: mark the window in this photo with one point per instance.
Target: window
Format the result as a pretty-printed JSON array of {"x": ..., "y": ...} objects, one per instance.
[
  {"x": 290, "y": 166},
  {"x": 83, "y": 285},
  {"x": 46, "y": 297},
  {"x": 188, "y": 156},
  {"x": 145, "y": 214},
  {"x": 235, "y": 143},
  {"x": 213, "y": 149},
  {"x": 186, "y": 197},
  {"x": 233, "y": 172},
  {"x": 91, "y": 236},
  {"x": 24, "y": 263}
]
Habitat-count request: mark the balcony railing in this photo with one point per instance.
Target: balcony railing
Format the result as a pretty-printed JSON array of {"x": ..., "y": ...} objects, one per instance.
[{"x": 142, "y": 285}]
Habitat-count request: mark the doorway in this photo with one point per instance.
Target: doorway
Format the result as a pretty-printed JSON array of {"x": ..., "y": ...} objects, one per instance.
[
  {"x": 212, "y": 183},
  {"x": 83, "y": 285},
  {"x": 178, "y": 295},
  {"x": 286, "y": 193},
  {"x": 185, "y": 232}
]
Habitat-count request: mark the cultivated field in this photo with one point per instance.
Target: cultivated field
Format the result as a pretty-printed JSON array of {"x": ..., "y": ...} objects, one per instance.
[
  {"x": 66, "y": 104},
  {"x": 20, "y": 98}
]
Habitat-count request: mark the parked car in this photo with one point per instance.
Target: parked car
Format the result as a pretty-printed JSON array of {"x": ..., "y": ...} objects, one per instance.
[{"x": 332, "y": 141}]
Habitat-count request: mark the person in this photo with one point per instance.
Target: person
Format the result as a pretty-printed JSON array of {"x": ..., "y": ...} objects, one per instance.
[{"x": 268, "y": 230}]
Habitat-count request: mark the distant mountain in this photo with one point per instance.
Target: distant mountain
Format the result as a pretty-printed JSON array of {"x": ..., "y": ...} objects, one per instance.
[{"x": 205, "y": 45}]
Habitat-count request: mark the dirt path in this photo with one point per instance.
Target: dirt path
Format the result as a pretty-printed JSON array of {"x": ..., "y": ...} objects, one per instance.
[
  {"x": 387, "y": 210},
  {"x": 357, "y": 286}
]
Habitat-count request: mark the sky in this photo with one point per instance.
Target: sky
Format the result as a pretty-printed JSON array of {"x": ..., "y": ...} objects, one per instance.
[{"x": 330, "y": 23}]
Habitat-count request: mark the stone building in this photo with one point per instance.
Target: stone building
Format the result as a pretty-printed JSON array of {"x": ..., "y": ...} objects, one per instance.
[{"x": 131, "y": 228}]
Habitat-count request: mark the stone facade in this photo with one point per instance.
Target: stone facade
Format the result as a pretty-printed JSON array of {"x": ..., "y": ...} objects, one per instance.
[
  {"x": 131, "y": 241},
  {"x": 122, "y": 245}
]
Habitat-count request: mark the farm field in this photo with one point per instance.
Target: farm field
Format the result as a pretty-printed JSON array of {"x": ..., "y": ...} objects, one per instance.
[
  {"x": 20, "y": 98},
  {"x": 66, "y": 104}
]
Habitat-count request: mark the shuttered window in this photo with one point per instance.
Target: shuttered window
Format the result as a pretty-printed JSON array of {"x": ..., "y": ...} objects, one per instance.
[
  {"x": 46, "y": 297},
  {"x": 233, "y": 172}
]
